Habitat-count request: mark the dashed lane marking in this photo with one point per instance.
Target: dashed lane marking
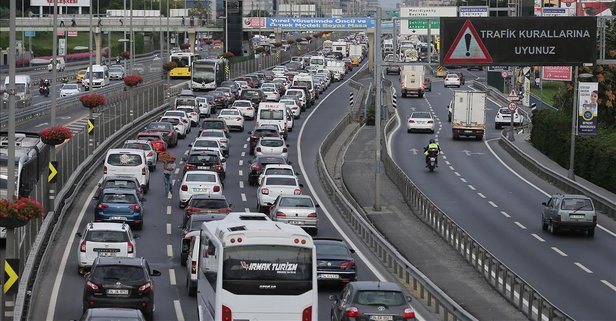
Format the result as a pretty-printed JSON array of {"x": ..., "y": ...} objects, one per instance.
[
  {"x": 471, "y": 187},
  {"x": 246, "y": 209},
  {"x": 241, "y": 162},
  {"x": 168, "y": 209},
  {"x": 520, "y": 225},
  {"x": 178, "y": 310},
  {"x": 172, "y": 276},
  {"x": 505, "y": 214},
  {"x": 245, "y": 146},
  {"x": 243, "y": 197},
  {"x": 559, "y": 251},
  {"x": 610, "y": 285},
  {"x": 581, "y": 266},
  {"x": 241, "y": 184},
  {"x": 169, "y": 250},
  {"x": 538, "y": 237},
  {"x": 481, "y": 195},
  {"x": 243, "y": 154},
  {"x": 463, "y": 180},
  {"x": 457, "y": 174},
  {"x": 493, "y": 204},
  {"x": 241, "y": 172},
  {"x": 168, "y": 228}
]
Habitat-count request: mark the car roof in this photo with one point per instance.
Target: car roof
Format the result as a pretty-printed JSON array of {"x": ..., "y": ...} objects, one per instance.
[
  {"x": 114, "y": 260},
  {"x": 141, "y": 141},
  {"x": 207, "y": 216},
  {"x": 376, "y": 285},
  {"x": 272, "y": 138},
  {"x": 204, "y": 152},
  {"x": 119, "y": 191},
  {"x": 326, "y": 240},
  {"x": 120, "y": 177},
  {"x": 114, "y": 312},
  {"x": 209, "y": 196},
  {"x": 105, "y": 226},
  {"x": 201, "y": 172},
  {"x": 293, "y": 195}
]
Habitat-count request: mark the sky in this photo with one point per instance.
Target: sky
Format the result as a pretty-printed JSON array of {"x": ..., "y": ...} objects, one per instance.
[{"x": 389, "y": 4}]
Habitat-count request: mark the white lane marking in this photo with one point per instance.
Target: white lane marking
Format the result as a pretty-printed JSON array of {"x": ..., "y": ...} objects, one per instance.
[
  {"x": 168, "y": 209},
  {"x": 241, "y": 172},
  {"x": 243, "y": 197},
  {"x": 169, "y": 250},
  {"x": 241, "y": 162},
  {"x": 447, "y": 162},
  {"x": 247, "y": 139},
  {"x": 243, "y": 154},
  {"x": 520, "y": 225},
  {"x": 493, "y": 204},
  {"x": 610, "y": 285},
  {"x": 241, "y": 184},
  {"x": 178, "y": 310},
  {"x": 581, "y": 266},
  {"x": 533, "y": 185},
  {"x": 505, "y": 214},
  {"x": 172, "y": 276},
  {"x": 177, "y": 171},
  {"x": 169, "y": 196},
  {"x": 247, "y": 210},
  {"x": 451, "y": 167},
  {"x": 457, "y": 174},
  {"x": 471, "y": 187},
  {"x": 463, "y": 180},
  {"x": 444, "y": 157},
  {"x": 558, "y": 251},
  {"x": 481, "y": 195},
  {"x": 538, "y": 237},
  {"x": 168, "y": 228},
  {"x": 51, "y": 310},
  {"x": 245, "y": 145}
]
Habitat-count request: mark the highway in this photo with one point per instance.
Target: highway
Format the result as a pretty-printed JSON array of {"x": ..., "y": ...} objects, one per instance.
[
  {"x": 159, "y": 240},
  {"x": 501, "y": 209}
]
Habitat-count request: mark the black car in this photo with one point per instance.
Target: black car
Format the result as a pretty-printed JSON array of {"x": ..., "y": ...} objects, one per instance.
[
  {"x": 120, "y": 282},
  {"x": 169, "y": 134},
  {"x": 254, "y": 95},
  {"x": 214, "y": 124},
  {"x": 194, "y": 224},
  {"x": 206, "y": 204},
  {"x": 98, "y": 314},
  {"x": 371, "y": 300},
  {"x": 235, "y": 88},
  {"x": 259, "y": 132},
  {"x": 257, "y": 165},
  {"x": 205, "y": 160},
  {"x": 220, "y": 100},
  {"x": 119, "y": 182},
  {"x": 335, "y": 262}
]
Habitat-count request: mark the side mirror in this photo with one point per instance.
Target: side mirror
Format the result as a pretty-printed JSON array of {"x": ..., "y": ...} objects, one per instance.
[
  {"x": 409, "y": 298},
  {"x": 352, "y": 251},
  {"x": 86, "y": 275},
  {"x": 288, "y": 145},
  {"x": 333, "y": 297},
  {"x": 142, "y": 199},
  {"x": 155, "y": 273},
  {"x": 289, "y": 162},
  {"x": 269, "y": 204},
  {"x": 190, "y": 145},
  {"x": 224, "y": 160},
  {"x": 230, "y": 205},
  {"x": 298, "y": 174},
  {"x": 78, "y": 234},
  {"x": 544, "y": 203},
  {"x": 301, "y": 185},
  {"x": 317, "y": 205}
]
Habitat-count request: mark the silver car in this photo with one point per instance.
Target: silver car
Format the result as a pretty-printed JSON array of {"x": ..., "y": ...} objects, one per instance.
[
  {"x": 116, "y": 72},
  {"x": 298, "y": 210},
  {"x": 272, "y": 146}
]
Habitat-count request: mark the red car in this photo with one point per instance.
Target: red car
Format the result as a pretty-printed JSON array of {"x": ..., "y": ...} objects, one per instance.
[{"x": 158, "y": 142}]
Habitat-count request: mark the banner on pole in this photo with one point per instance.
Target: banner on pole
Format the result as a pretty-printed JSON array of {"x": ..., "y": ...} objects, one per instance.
[{"x": 588, "y": 108}]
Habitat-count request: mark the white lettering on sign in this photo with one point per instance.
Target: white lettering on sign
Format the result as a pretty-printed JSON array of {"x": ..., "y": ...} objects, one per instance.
[
  {"x": 506, "y": 33},
  {"x": 536, "y": 50},
  {"x": 528, "y": 34},
  {"x": 283, "y": 268}
]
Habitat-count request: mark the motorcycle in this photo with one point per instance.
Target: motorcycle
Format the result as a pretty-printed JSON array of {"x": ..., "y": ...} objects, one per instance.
[
  {"x": 431, "y": 161},
  {"x": 44, "y": 90}
]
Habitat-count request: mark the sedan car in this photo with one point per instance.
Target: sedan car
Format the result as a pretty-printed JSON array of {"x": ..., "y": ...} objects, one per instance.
[
  {"x": 452, "y": 80},
  {"x": 179, "y": 125},
  {"x": 277, "y": 169},
  {"x": 257, "y": 165},
  {"x": 207, "y": 204},
  {"x": 69, "y": 90},
  {"x": 205, "y": 105},
  {"x": 222, "y": 138},
  {"x": 186, "y": 120},
  {"x": 199, "y": 182},
  {"x": 293, "y": 105},
  {"x": 245, "y": 107},
  {"x": 205, "y": 143},
  {"x": 335, "y": 261},
  {"x": 272, "y": 146},
  {"x": 274, "y": 186},
  {"x": 298, "y": 210},
  {"x": 156, "y": 139},
  {"x": 166, "y": 129},
  {"x": 371, "y": 300},
  {"x": 259, "y": 132},
  {"x": 119, "y": 205},
  {"x": 116, "y": 72},
  {"x": 207, "y": 161},
  {"x": 503, "y": 117},
  {"x": 254, "y": 95},
  {"x": 233, "y": 118},
  {"x": 420, "y": 121},
  {"x": 192, "y": 113},
  {"x": 271, "y": 94}
]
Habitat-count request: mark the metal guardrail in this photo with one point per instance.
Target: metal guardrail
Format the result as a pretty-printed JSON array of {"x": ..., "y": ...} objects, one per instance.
[{"x": 506, "y": 282}]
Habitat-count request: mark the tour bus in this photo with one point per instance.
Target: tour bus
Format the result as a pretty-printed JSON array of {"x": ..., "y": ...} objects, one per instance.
[
  {"x": 207, "y": 74},
  {"x": 31, "y": 162},
  {"x": 252, "y": 268},
  {"x": 183, "y": 60}
]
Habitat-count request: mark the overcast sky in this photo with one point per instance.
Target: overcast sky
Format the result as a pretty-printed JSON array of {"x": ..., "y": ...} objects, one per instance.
[{"x": 388, "y": 4}]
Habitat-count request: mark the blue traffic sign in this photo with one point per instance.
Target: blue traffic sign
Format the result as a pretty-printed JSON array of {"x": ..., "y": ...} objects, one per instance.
[
  {"x": 30, "y": 33},
  {"x": 319, "y": 23}
]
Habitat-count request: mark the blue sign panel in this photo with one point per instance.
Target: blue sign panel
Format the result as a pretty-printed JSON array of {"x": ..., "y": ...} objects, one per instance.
[
  {"x": 319, "y": 23},
  {"x": 30, "y": 33}
]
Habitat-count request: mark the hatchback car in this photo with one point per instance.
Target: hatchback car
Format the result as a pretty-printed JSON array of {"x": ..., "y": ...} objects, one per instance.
[
  {"x": 99, "y": 314},
  {"x": 69, "y": 90},
  {"x": 257, "y": 165},
  {"x": 298, "y": 210},
  {"x": 272, "y": 146},
  {"x": 503, "y": 117},
  {"x": 254, "y": 95},
  {"x": 452, "y": 80},
  {"x": 273, "y": 186},
  {"x": 569, "y": 212},
  {"x": 120, "y": 282},
  {"x": 420, "y": 121},
  {"x": 222, "y": 138},
  {"x": 245, "y": 107},
  {"x": 371, "y": 300},
  {"x": 207, "y": 161},
  {"x": 104, "y": 239},
  {"x": 169, "y": 134},
  {"x": 119, "y": 205},
  {"x": 220, "y": 100},
  {"x": 205, "y": 105},
  {"x": 259, "y": 132},
  {"x": 199, "y": 182},
  {"x": 335, "y": 261},
  {"x": 205, "y": 143},
  {"x": 233, "y": 118},
  {"x": 150, "y": 153},
  {"x": 119, "y": 182}
]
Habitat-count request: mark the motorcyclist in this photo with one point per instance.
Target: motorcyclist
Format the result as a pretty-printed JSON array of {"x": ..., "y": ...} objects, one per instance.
[{"x": 433, "y": 149}]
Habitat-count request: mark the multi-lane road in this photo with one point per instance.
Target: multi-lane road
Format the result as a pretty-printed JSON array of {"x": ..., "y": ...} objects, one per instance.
[{"x": 499, "y": 204}]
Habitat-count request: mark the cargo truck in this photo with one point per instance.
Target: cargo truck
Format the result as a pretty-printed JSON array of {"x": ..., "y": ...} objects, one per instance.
[
  {"x": 412, "y": 81},
  {"x": 467, "y": 114},
  {"x": 356, "y": 54}
]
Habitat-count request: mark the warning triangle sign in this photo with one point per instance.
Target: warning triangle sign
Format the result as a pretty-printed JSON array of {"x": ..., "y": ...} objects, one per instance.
[{"x": 467, "y": 47}]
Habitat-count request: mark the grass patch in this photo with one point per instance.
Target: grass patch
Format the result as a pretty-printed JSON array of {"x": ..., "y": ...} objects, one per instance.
[{"x": 550, "y": 88}]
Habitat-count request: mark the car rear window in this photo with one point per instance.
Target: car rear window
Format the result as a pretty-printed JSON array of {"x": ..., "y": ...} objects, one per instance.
[
  {"x": 107, "y": 236},
  {"x": 124, "y": 159},
  {"x": 576, "y": 204},
  {"x": 280, "y": 181},
  {"x": 271, "y": 160},
  {"x": 279, "y": 171},
  {"x": 136, "y": 146},
  {"x": 209, "y": 203},
  {"x": 242, "y": 104},
  {"x": 212, "y": 134},
  {"x": 203, "y": 159},
  {"x": 210, "y": 178},
  {"x": 173, "y": 121},
  {"x": 271, "y": 143},
  {"x": 158, "y": 126},
  {"x": 205, "y": 143},
  {"x": 387, "y": 298},
  {"x": 250, "y": 94},
  {"x": 420, "y": 115},
  {"x": 120, "y": 184},
  {"x": 119, "y": 273},
  {"x": 149, "y": 137},
  {"x": 213, "y": 125},
  {"x": 331, "y": 249},
  {"x": 296, "y": 202}
]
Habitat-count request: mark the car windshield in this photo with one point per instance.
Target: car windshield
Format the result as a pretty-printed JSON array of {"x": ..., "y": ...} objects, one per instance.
[
  {"x": 124, "y": 159},
  {"x": 70, "y": 86},
  {"x": 115, "y": 69},
  {"x": 119, "y": 198},
  {"x": 286, "y": 181},
  {"x": 576, "y": 204},
  {"x": 332, "y": 250},
  {"x": 379, "y": 297},
  {"x": 120, "y": 184},
  {"x": 271, "y": 143},
  {"x": 137, "y": 146},
  {"x": 295, "y": 202},
  {"x": 201, "y": 177},
  {"x": 420, "y": 115},
  {"x": 107, "y": 236},
  {"x": 118, "y": 273},
  {"x": 176, "y": 113},
  {"x": 185, "y": 102}
]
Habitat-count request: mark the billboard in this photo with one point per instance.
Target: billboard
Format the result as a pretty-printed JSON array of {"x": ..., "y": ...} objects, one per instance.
[
  {"x": 253, "y": 23},
  {"x": 318, "y": 23},
  {"x": 474, "y": 11},
  {"x": 588, "y": 108},
  {"x": 559, "y": 73},
  {"x": 446, "y": 11},
  {"x": 63, "y": 3},
  {"x": 594, "y": 8},
  {"x": 422, "y": 16},
  {"x": 521, "y": 41}
]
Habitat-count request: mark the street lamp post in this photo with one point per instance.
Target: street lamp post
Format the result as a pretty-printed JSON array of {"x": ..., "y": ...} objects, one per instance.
[{"x": 574, "y": 120}]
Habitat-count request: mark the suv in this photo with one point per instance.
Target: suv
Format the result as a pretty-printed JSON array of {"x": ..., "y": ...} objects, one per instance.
[
  {"x": 104, "y": 240},
  {"x": 205, "y": 160},
  {"x": 573, "y": 212},
  {"x": 120, "y": 282}
]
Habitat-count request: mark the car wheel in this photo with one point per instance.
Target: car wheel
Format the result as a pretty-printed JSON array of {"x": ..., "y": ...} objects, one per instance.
[
  {"x": 544, "y": 225},
  {"x": 152, "y": 168},
  {"x": 591, "y": 232},
  {"x": 552, "y": 228},
  {"x": 149, "y": 315}
]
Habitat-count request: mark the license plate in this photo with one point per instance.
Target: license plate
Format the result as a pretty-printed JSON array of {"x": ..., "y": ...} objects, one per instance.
[
  {"x": 118, "y": 218},
  {"x": 117, "y": 292},
  {"x": 295, "y": 222},
  {"x": 203, "y": 167},
  {"x": 468, "y": 131},
  {"x": 202, "y": 190},
  {"x": 106, "y": 254},
  {"x": 329, "y": 276},
  {"x": 381, "y": 317},
  {"x": 577, "y": 216}
]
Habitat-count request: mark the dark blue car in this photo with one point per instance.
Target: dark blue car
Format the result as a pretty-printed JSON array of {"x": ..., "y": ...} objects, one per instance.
[{"x": 119, "y": 205}]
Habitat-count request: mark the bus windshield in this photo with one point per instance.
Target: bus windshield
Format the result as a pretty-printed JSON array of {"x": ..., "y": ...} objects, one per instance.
[
  {"x": 181, "y": 61},
  {"x": 203, "y": 73}
]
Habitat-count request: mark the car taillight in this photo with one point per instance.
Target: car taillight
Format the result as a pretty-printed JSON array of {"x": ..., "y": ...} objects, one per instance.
[
  {"x": 218, "y": 168},
  {"x": 307, "y": 314},
  {"x": 280, "y": 214},
  {"x": 226, "y": 313},
  {"x": 151, "y": 153},
  {"x": 135, "y": 207},
  {"x": 238, "y": 118},
  {"x": 352, "y": 312},
  {"x": 312, "y": 215},
  {"x": 104, "y": 170},
  {"x": 82, "y": 246},
  {"x": 184, "y": 187},
  {"x": 145, "y": 288},
  {"x": 411, "y": 121},
  {"x": 408, "y": 314},
  {"x": 347, "y": 265},
  {"x": 430, "y": 122},
  {"x": 102, "y": 206},
  {"x": 131, "y": 248},
  {"x": 170, "y": 134},
  {"x": 91, "y": 287},
  {"x": 297, "y": 191},
  {"x": 255, "y": 167},
  {"x": 284, "y": 150},
  {"x": 258, "y": 149},
  {"x": 188, "y": 167},
  {"x": 224, "y": 141},
  {"x": 216, "y": 189},
  {"x": 265, "y": 191},
  {"x": 192, "y": 210},
  {"x": 594, "y": 219},
  {"x": 193, "y": 267}
]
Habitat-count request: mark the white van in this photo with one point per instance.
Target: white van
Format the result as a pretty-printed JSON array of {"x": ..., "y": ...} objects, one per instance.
[
  {"x": 60, "y": 64},
  {"x": 100, "y": 77},
  {"x": 23, "y": 92},
  {"x": 272, "y": 113},
  {"x": 128, "y": 162}
]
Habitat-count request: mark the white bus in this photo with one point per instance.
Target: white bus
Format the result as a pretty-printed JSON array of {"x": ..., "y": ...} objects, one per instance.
[
  {"x": 252, "y": 268},
  {"x": 207, "y": 74}
]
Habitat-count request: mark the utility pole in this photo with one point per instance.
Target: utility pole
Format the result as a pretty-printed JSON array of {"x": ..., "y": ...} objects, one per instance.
[{"x": 378, "y": 57}]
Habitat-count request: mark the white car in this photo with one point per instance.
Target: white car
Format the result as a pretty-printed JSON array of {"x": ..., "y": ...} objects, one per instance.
[
  {"x": 219, "y": 135},
  {"x": 268, "y": 146},
  {"x": 245, "y": 107},
  {"x": 199, "y": 182},
  {"x": 274, "y": 185},
  {"x": 282, "y": 81},
  {"x": 337, "y": 76},
  {"x": 295, "y": 109},
  {"x": 205, "y": 143},
  {"x": 277, "y": 169},
  {"x": 150, "y": 153},
  {"x": 179, "y": 113},
  {"x": 104, "y": 239},
  {"x": 271, "y": 94},
  {"x": 192, "y": 114},
  {"x": 290, "y": 118},
  {"x": 69, "y": 90},
  {"x": 503, "y": 117},
  {"x": 205, "y": 106},
  {"x": 452, "y": 80},
  {"x": 420, "y": 121},
  {"x": 233, "y": 118},
  {"x": 181, "y": 127},
  {"x": 242, "y": 84}
]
